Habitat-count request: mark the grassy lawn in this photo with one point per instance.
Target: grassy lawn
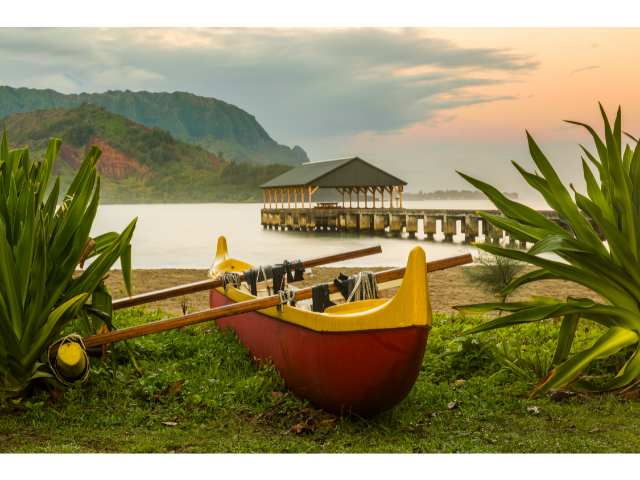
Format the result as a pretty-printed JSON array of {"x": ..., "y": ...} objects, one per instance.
[{"x": 197, "y": 390}]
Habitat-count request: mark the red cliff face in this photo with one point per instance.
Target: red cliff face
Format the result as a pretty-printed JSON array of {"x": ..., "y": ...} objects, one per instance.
[
  {"x": 71, "y": 155},
  {"x": 115, "y": 164},
  {"x": 112, "y": 164},
  {"x": 215, "y": 160}
]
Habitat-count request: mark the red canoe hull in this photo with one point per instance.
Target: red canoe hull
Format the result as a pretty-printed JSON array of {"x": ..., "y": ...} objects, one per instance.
[{"x": 362, "y": 372}]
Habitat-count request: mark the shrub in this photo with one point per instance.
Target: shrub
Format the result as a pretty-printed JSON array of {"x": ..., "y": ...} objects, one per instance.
[{"x": 494, "y": 272}]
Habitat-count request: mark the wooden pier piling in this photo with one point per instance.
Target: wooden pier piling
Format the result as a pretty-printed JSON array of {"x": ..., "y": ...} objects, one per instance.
[
  {"x": 472, "y": 228},
  {"x": 429, "y": 226},
  {"x": 411, "y": 222},
  {"x": 396, "y": 222}
]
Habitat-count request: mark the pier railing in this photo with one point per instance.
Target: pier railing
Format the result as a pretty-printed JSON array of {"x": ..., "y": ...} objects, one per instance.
[{"x": 398, "y": 221}]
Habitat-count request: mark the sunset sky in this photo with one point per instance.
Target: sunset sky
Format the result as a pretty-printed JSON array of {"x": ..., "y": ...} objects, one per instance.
[{"x": 420, "y": 102}]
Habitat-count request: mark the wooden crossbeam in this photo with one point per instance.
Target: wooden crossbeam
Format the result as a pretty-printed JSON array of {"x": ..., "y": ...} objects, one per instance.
[{"x": 248, "y": 306}]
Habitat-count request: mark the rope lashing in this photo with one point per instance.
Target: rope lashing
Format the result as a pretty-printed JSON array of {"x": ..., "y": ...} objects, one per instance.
[
  {"x": 266, "y": 273},
  {"x": 365, "y": 287},
  {"x": 231, "y": 278},
  {"x": 287, "y": 296}
]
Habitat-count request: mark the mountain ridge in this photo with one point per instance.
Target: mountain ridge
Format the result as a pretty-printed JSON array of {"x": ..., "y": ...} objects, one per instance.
[
  {"x": 218, "y": 126},
  {"x": 138, "y": 163}
]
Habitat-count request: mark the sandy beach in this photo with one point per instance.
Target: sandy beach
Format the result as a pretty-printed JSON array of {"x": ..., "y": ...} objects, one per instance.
[{"x": 447, "y": 288}]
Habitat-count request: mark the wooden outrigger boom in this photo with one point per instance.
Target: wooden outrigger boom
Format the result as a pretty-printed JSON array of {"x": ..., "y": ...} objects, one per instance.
[
  {"x": 250, "y": 305},
  {"x": 208, "y": 284}
]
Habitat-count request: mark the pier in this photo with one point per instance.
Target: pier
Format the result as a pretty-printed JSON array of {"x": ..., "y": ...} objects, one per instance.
[
  {"x": 352, "y": 195},
  {"x": 400, "y": 222}
]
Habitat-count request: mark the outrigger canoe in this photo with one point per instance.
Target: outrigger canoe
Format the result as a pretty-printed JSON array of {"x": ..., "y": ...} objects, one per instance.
[{"x": 360, "y": 357}]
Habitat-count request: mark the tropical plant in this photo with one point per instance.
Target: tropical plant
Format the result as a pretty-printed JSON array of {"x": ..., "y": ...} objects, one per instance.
[
  {"x": 42, "y": 244},
  {"x": 609, "y": 211},
  {"x": 494, "y": 272}
]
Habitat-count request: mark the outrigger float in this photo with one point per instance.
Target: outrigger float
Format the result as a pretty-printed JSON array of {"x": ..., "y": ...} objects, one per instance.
[{"x": 360, "y": 357}]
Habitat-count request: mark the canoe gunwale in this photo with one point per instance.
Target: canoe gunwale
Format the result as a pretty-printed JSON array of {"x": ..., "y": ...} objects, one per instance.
[
  {"x": 408, "y": 307},
  {"x": 279, "y": 318}
]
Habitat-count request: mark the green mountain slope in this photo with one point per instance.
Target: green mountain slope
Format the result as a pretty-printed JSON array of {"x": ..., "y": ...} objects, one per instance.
[
  {"x": 217, "y": 126},
  {"x": 138, "y": 164}
]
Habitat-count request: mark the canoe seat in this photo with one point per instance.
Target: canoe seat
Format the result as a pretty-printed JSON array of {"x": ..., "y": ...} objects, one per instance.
[{"x": 356, "y": 307}]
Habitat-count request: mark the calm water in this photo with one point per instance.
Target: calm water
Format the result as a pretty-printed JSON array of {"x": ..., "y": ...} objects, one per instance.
[{"x": 184, "y": 236}]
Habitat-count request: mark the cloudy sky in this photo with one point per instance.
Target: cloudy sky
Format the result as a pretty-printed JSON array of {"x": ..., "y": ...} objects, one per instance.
[{"x": 420, "y": 102}]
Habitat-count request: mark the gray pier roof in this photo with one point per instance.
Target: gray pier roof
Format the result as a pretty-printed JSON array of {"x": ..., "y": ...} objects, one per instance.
[{"x": 345, "y": 172}]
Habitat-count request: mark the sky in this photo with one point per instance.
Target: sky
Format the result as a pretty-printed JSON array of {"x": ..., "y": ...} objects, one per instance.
[{"x": 421, "y": 103}]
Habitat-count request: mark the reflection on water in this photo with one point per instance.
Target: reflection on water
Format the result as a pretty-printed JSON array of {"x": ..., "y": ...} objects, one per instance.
[{"x": 184, "y": 236}]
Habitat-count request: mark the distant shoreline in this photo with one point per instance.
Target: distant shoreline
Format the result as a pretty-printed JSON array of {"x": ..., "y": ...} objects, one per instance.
[
  {"x": 452, "y": 195},
  {"x": 410, "y": 196}
]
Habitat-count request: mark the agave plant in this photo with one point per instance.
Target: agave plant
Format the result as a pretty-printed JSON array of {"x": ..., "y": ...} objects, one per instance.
[
  {"x": 42, "y": 243},
  {"x": 596, "y": 243}
]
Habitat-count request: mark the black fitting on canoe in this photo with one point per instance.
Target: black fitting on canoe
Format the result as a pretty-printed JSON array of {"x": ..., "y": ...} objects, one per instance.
[
  {"x": 294, "y": 270},
  {"x": 362, "y": 286},
  {"x": 320, "y": 297},
  {"x": 255, "y": 275},
  {"x": 344, "y": 284},
  {"x": 251, "y": 277},
  {"x": 278, "y": 273}
]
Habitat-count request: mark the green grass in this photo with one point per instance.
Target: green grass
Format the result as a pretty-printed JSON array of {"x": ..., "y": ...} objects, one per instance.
[{"x": 202, "y": 384}]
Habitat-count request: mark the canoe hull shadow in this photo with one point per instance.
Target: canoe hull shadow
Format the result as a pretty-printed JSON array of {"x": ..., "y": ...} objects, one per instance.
[{"x": 353, "y": 372}]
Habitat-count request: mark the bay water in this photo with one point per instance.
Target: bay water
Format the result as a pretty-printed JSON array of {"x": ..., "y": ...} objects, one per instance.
[{"x": 185, "y": 235}]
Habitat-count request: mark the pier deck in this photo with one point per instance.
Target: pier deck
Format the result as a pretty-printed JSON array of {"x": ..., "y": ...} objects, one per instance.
[{"x": 396, "y": 221}]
